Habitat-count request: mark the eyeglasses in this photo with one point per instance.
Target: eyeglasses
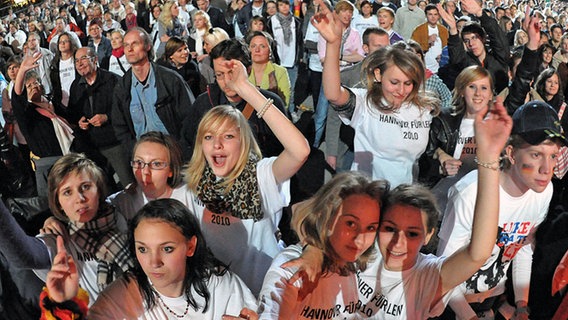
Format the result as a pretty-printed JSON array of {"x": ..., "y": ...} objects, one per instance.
[
  {"x": 467, "y": 41},
  {"x": 64, "y": 41},
  {"x": 154, "y": 165},
  {"x": 82, "y": 58}
]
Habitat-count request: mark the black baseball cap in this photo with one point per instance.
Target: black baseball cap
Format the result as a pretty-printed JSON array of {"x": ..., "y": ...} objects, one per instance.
[{"x": 536, "y": 121}]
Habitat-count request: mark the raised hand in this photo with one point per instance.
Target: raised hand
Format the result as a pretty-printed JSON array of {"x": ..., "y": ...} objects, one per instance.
[
  {"x": 30, "y": 61},
  {"x": 236, "y": 76},
  {"x": 472, "y": 6},
  {"x": 327, "y": 23},
  {"x": 62, "y": 280},
  {"x": 448, "y": 18},
  {"x": 492, "y": 130}
]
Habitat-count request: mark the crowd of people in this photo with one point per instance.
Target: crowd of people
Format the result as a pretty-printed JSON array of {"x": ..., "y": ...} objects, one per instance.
[{"x": 165, "y": 159}]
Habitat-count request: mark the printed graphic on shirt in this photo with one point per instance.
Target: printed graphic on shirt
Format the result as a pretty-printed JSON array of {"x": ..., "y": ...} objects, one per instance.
[
  {"x": 511, "y": 237},
  {"x": 410, "y": 126}
]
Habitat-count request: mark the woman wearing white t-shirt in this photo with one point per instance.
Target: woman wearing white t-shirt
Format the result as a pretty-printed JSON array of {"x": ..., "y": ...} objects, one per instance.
[
  {"x": 365, "y": 19},
  {"x": 62, "y": 69},
  {"x": 175, "y": 276},
  {"x": 236, "y": 195},
  {"x": 451, "y": 149},
  {"x": 391, "y": 117}
]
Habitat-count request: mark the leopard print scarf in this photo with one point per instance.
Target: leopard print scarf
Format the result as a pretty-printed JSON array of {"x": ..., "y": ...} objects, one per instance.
[{"x": 241, "y": 201}]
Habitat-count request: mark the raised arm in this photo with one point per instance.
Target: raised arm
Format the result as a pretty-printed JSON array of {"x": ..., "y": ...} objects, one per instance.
[
  {"x": 491, "y": 134},
  {"x": 28, "y": 64},
  {"x": 296, "y": 147},
  {"x": 528, "y": 68},
  {"x": 331, "y": 29}
]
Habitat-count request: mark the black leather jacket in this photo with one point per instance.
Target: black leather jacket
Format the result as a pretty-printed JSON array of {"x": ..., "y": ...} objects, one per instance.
[{"x": 444, "y": 133}]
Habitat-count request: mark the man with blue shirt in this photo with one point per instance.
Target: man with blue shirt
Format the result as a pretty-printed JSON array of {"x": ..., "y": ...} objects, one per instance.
[{"x": 148, "y": 97}]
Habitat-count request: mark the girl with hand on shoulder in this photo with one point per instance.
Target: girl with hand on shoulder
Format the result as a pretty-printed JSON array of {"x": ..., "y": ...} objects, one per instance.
[
  {"x": 406, "y": 283},
  {"x": 174, "y": 275},
  {"x": 94, "y": 232},
  {"x": 391, "y": 117},
  {"x": 341, "y": 220},
  {"x": 236, "y": 195}
]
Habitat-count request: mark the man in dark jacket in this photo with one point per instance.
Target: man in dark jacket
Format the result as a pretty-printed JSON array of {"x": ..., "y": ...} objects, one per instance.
[
  {"x": 90, "y": 106},
  {"x": 218, "y": 94},
  {"x": 474, "y": 37},
  {"x": 148, "y": 97}
]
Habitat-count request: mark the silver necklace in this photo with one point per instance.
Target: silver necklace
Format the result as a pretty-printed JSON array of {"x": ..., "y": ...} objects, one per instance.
[{"x": 170, "y": 310}]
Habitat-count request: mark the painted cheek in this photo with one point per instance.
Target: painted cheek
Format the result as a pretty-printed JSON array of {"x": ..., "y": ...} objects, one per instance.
[{"x": 527, "y": 168}]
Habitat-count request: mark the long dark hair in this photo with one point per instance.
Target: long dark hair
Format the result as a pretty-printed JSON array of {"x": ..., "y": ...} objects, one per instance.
[{"x": 198, "y": 268}]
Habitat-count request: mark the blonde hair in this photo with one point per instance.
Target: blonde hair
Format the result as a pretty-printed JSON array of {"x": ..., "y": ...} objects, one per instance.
[
  {"x": 166, "y": 17},
  {"x": 410, "y": 64},
  {"x": 214, "y": 121},
  {"x": 215, "y": 35},
  {"x": 205, "y": 16},
  {"x": 344, "y": 5},
  {"x": 314, "y": 217},
  {"x": 467, "y": 76}
]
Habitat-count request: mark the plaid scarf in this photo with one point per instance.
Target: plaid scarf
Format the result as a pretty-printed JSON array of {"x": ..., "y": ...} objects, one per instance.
[
  {"x": 241, "y": 201},
  {"x": 101, "y": 238}
]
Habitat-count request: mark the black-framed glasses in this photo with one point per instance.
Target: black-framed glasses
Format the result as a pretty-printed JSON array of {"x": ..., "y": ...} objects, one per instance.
[{"x": 153, "y": 165}]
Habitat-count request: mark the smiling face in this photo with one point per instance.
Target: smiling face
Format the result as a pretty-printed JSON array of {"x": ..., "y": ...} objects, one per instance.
[
  {"x": 181, "y": 56},
  {"x": 551, "y": 86},
  {"x": 477, "y": 95},
  {"x": 259, "y": 49},
  {"x": 85, "y": 64},
  {"x": 402, "y": 234},
  {"x": 162, "y": 250},
  {"x": 222, "y": 149},
  {"x": 396, "y": 85},
  {"x": 355, "y": 228},
  {"x": 532, "y": 167},
  {"x": 78, "y": 197},
  {"x": 154, "y": 183}
]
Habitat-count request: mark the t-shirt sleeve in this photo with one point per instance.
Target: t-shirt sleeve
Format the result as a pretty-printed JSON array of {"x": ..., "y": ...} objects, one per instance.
[
  {"x": 232, "y": 294},
  {"x": 272, "y": 297},
  {"x": 275, "y": 196},
  {"x": 360, "y": 111}
]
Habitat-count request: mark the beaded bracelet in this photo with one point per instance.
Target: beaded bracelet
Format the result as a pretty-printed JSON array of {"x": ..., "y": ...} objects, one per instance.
[
  {"x": 265, "y": 107},
  {"x": 488, "y": 165}
]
